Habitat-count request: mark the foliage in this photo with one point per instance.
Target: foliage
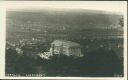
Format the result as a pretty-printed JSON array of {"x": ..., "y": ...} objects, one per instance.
[{"x": 100, "y": 62}]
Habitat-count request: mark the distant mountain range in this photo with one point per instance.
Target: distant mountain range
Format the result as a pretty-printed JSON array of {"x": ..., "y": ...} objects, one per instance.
[{"x": 68, "y": 20}]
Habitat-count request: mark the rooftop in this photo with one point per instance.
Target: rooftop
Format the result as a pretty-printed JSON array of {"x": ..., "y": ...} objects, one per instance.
[{"x": 65, "y": 43}]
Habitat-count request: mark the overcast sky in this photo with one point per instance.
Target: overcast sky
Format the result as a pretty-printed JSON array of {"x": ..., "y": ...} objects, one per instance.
[{"x": 113, "y": 6}]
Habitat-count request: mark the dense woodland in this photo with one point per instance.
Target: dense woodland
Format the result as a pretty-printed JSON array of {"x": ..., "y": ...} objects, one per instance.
[{"x": 96, "y": 63}]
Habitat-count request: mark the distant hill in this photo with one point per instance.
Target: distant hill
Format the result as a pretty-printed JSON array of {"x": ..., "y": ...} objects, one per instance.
[{"x": 72, "y": 21}]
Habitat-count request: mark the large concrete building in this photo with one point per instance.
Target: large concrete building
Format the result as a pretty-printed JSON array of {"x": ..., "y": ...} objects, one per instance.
[{"x": 68, "y": 48}]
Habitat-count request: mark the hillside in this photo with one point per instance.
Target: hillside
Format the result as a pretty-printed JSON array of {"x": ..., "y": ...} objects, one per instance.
[{"x": 64, "y": 22}]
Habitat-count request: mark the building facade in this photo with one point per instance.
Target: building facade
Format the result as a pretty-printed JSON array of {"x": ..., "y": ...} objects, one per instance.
[{"x": 68, "y": 48}]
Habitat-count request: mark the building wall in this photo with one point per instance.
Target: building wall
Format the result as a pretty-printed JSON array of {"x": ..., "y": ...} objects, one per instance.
[
  {"x": 67, "y": 51},
  {"x": 75, "y": 51},
  {"x": 67, "y": 48}
]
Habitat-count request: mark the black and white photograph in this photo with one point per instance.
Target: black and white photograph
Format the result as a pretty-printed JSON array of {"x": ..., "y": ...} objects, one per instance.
[
  {"x": 66, "y": 40},
  {"x": 56, "y": 79},
  {"x": 64, "y": 0}
]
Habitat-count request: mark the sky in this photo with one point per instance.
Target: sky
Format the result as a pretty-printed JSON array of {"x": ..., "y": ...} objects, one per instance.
[{"x": 112, "y": 6}]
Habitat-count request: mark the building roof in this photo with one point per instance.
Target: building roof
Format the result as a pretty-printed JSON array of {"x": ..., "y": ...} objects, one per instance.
[{"x": 65, "y": 43}]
